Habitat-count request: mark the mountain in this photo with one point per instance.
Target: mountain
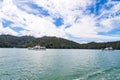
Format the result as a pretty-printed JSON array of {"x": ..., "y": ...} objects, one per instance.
[
  {"x": 93, "y": 45},
  {"x": 9, "y": 41},
  {"x": 29, "y": 41},
  {"x": 13, "y": 41},
  {"x": 51, "y": 42}
]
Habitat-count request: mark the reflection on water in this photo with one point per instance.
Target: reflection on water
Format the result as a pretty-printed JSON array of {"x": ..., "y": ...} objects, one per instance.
[{"x": 59, "y": 64}]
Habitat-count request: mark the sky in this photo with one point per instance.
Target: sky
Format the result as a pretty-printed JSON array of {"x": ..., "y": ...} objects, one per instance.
[{"x": 78, "y": 20}]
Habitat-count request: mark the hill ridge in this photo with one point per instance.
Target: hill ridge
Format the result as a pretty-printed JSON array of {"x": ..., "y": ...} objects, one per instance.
[{"x": 9, "y": 41}]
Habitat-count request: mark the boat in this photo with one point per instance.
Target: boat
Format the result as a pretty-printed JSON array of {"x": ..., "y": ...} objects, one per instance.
[
  {"x": 108, "y": 48},
  {"x": 37, "y": 48}
]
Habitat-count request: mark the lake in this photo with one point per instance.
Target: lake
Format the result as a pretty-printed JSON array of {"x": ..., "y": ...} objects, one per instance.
[{"x": 59, "y": 64}]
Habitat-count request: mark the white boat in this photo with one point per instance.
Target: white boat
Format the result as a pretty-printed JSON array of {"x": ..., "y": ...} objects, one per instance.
[
  {"x": 37, "y": 48},
  {"x": 108, "y": 48}
]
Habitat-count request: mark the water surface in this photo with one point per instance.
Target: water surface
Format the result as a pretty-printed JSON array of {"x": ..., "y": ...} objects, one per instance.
[{"x": 59, "y": 64}]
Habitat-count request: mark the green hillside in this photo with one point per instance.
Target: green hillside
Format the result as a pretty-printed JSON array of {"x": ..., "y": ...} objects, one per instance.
[
  {"x": 8, "y": 41},
  {"x": 28, "y": 41}
]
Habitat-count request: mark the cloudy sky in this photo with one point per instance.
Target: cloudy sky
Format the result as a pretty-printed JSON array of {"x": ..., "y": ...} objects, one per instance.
[{"x": 77, "y": 20}]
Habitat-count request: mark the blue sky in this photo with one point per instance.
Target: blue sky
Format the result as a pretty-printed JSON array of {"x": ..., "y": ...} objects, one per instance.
[{"x": 78, "y": 20}]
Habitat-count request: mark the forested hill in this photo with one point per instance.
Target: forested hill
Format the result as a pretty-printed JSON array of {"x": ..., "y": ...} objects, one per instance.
[
  {"x": 29, "y": 41},
  {"x": 8, "y": 41}
]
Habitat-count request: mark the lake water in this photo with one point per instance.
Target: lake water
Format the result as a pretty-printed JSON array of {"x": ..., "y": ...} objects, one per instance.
[{"x": 59, "y": 64}]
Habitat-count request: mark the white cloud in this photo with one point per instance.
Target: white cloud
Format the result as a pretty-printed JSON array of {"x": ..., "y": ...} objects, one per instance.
[
  {"x": 34, "y": 25},
  {"x": 68, "y": 10},
  {"x": 110, "y": 19},
  {"x": 83, "y": 25},
  {"x": 85, "y": 28},
  {"x": 7, "y": 30},
  {"x": 109, "y": 24}
]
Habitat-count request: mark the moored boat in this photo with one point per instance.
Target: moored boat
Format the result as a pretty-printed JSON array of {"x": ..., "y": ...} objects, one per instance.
[
  {"x": 37, "y": 48},
  {"x": 108, "y": 48}
]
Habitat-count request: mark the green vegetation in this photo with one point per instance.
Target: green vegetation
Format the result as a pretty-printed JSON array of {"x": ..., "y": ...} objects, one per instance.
[{"x": 9, "y": 41}]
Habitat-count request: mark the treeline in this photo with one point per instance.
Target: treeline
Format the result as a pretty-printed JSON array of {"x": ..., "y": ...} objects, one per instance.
[
  {"x": 8, "y": 41},
  {"x": 93, "y": 45}
]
